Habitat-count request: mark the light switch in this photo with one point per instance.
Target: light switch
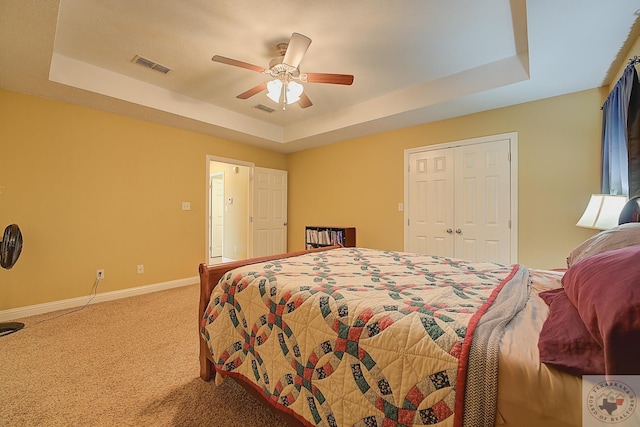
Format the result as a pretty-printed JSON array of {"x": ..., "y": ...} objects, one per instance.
[
  {"x": 400, "y": 207},
  {"x": 186, "y": 206}
]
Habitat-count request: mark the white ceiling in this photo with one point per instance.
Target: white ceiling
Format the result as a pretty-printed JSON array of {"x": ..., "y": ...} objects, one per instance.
[{"x": 414, "y": 61}]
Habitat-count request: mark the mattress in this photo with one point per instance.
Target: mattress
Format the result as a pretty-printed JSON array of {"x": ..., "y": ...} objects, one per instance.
[{"x": 530, "y": 393}]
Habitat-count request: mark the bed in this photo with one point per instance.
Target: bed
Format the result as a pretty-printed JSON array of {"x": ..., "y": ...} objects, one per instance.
[{"x": 356, "y": 336}]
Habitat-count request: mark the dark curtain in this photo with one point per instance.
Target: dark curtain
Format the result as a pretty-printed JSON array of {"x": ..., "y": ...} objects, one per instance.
[
  {"x": 615, "y": 158},
  {"x": 633, "y": 137}
]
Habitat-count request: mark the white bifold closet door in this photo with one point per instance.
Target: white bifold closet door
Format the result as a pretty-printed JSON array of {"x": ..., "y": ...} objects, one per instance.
[{"x": 459, "y": 202}]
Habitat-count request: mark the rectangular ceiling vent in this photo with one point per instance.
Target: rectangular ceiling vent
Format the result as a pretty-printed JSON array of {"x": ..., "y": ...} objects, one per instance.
[
  {"x": 265, "y": 108},
  {"x": 151, "y": 64}
]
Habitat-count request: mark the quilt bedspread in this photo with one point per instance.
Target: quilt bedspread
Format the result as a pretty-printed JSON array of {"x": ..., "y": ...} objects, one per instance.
[{"x": 354, "y": 336}]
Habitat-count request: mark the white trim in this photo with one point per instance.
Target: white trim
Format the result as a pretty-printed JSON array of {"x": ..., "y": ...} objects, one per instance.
[
  {"x": 32, "y": 310},
  {"x": 513, "y": 149}
]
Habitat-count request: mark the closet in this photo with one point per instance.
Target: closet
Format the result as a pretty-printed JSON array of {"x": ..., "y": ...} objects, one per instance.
[{"x": 461, "y": 199}]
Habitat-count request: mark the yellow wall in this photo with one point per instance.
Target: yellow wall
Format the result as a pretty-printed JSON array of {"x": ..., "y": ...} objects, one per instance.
[
  {"x": 360, "y": 182},
  {"x": 94, "y": 190}
]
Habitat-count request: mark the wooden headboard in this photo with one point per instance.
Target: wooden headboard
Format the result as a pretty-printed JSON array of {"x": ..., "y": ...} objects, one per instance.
[{"x": 630, "y": 212}]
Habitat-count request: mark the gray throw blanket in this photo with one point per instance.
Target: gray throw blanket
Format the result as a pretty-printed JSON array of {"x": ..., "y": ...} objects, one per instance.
[{"x": 481, "y": 392}]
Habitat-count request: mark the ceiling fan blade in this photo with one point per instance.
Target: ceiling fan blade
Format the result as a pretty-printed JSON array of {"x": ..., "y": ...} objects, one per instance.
[
  {"x": 252, "y": 91},
  {"x": 298, "y": 46},
  {"x": 236, "y": 63},
  {"x": 304, "y": 101},
  {"x": 336, "y": 79}
]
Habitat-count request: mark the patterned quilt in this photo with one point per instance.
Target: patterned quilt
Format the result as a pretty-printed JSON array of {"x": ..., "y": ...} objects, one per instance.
[{"x": 361, "y": 337}]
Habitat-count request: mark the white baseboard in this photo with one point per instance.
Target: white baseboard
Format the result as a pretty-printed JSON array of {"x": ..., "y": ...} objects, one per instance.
[{"x": 32, "y": 310}]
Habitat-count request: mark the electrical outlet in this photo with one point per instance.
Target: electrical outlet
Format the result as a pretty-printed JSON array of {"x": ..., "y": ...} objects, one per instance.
[
  {"x": 100, "y": 274},
  {"x": 140, "y": 269}
]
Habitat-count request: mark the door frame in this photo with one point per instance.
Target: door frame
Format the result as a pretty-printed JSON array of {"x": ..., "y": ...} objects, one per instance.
[
  {"x": 513, "y": 150},
  {"x": 209, "y": 159}
]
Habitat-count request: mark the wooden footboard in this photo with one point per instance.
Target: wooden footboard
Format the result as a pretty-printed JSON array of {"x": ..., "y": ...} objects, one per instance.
[{"x": 209, "y": 277}]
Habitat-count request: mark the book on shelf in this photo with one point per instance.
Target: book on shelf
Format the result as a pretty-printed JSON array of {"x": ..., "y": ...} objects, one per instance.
[{"x": 329, "y": 236}]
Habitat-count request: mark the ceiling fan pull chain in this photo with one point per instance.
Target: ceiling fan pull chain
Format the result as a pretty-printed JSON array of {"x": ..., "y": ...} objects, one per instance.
[{"x": 283, "y": 95}]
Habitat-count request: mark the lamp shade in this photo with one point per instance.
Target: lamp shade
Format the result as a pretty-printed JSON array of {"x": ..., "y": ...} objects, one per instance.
[{"x": 602, "y": 212}]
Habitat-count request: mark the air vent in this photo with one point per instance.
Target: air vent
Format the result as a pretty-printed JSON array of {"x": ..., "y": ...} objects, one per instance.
[
  {"x": 150, "y": 64},
  {"x": 265, "y": 108}
]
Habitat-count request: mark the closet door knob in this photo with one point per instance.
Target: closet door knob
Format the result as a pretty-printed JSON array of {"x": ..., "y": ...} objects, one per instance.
[
  {"x": 449, "y": 230},
  {"x": 459, "y": 231}
]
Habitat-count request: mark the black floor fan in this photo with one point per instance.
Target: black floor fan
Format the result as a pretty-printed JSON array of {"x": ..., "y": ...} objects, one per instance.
[{"x": 10, "y": 248}]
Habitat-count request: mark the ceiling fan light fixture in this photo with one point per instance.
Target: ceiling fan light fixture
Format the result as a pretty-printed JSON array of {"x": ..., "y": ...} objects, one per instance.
[{"x": 293, "y": 91}]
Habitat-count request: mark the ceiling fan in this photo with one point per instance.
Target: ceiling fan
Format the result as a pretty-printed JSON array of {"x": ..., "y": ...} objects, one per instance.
[{"x": 284, "y": 69}]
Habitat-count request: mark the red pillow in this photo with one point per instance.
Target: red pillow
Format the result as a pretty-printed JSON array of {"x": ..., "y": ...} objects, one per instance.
[
  {"x": 565, "y": 343},
  {"x": 605, "y": 289}
]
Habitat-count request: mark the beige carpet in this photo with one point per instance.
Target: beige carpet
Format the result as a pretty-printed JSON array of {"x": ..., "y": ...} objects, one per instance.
[{"x": 131, "y": 362}]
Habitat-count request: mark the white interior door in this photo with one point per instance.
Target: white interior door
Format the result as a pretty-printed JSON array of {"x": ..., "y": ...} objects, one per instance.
[
  {"x": 431, "y": 199},
  {"x": 482, "y": 202},
  {"x": 461, "y": 199},
  {"x": 269, "y": 212}
]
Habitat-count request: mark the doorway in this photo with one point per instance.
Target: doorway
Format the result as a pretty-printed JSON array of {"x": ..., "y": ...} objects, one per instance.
[
  {"x": 246, "y": 210},
  {"x": 228, "y": 198}
]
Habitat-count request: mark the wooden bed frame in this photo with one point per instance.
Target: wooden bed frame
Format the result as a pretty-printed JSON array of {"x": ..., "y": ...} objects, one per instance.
[{"x": 209, "y": 277}]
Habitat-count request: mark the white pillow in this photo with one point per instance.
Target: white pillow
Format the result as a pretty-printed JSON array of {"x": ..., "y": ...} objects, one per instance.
[{"x": 615, "y": 238}]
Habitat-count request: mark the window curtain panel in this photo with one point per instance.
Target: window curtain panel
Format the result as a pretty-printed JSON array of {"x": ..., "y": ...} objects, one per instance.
[
  {"x": 633, "y": 137},
  {"x": 615, "y": 155}
]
